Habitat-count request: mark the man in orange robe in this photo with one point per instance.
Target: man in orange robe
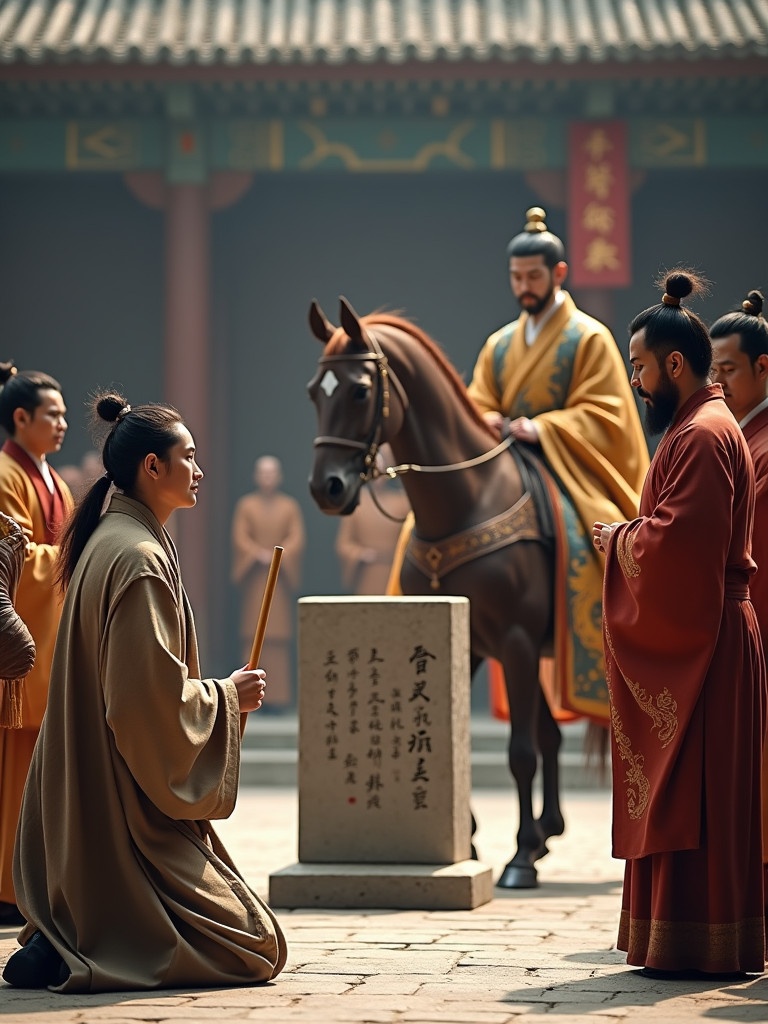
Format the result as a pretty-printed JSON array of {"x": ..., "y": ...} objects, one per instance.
[
  {"x": 262, "y": 520},
  {"x": 685, "y": 669},
  {"x": 367, "y": 540},
  {"x": 31, "y": 492},
  {"x": 740, "y": 344}
]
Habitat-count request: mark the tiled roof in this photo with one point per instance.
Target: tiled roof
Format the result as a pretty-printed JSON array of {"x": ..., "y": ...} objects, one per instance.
[{"x": 239, "y": 32}]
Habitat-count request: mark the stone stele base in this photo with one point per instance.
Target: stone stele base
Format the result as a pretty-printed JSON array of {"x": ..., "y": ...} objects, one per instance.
[{"x": 461, "y": 886}]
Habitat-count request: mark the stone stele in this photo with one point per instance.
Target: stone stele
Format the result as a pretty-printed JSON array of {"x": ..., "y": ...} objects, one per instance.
[{"x": 384, "y": 757}]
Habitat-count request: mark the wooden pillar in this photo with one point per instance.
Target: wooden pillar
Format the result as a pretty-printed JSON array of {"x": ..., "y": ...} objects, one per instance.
[
  {"x": 193, "y": 380},
  {"x": 187, "y": 380}
]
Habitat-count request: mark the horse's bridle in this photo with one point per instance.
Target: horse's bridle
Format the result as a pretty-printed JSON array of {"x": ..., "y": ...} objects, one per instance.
[{"x": 384, "y": 375}]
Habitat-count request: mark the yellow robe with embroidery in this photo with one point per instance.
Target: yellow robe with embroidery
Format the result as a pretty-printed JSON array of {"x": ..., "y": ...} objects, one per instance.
[
  {"x": 38, "y": 603},
  {"x": 573, "y": 384},
  {"x": 594, "y": 443}
]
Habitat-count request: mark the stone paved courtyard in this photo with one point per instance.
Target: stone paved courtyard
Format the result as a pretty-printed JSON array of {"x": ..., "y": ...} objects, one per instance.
[{"x": 544, "y": 954}]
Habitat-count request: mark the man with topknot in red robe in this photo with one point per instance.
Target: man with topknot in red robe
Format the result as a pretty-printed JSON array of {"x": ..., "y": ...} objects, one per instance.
[
  {"x": 685, "y": 669},
  {"x": 740, "y": 345}
]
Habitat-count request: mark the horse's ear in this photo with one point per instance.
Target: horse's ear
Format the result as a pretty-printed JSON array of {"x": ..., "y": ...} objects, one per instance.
[
  {"x": 350, "y": 321},
  {"x": 319, "y": 324}
]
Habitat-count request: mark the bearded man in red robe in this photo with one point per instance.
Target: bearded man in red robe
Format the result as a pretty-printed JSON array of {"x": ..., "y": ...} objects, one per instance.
[{"x": 685, "y": 669}]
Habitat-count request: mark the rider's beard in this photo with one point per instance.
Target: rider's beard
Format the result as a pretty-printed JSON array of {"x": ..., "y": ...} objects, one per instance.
[{"x": 538, "y": 304}]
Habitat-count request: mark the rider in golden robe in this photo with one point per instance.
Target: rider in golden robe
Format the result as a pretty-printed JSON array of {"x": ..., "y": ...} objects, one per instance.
[{"x": 558, "y": 376}]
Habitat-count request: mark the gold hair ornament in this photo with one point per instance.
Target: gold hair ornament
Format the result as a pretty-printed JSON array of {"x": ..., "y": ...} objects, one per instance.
[
  {"x": 535, "y": 218},
  {"x": 670, "y": 300},
  {"x": 123, "y": 413}
]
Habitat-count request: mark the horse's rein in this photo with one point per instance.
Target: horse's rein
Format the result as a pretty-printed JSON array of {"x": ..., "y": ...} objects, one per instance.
[
  {"x": 452, "y": 467},
  {"x": 411, "y": 467}
]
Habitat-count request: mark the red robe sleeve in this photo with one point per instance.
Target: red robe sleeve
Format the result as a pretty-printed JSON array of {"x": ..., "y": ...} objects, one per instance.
[{"x": 664, "y": 587}]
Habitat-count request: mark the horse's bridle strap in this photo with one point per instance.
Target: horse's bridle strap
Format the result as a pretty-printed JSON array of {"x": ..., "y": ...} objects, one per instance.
[
  {"x": 385, "y": 375},
  {"x": 382, "y": 362},
  {"x": 340, "y": 442},
  {"x": 436, "y": 558}
]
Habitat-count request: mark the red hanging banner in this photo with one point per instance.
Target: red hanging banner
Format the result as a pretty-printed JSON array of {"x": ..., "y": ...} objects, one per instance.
[{"x": 598, "y": 205}]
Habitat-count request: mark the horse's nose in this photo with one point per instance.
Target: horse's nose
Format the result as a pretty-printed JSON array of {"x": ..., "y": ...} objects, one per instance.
[
  {"x": 328, "y": 491},
  {"x": 334, "y": 490}
]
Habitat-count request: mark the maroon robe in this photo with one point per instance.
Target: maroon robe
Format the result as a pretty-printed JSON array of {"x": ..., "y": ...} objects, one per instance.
[
  {"x": 686, "y": 679},
  {"x": 756, "y": 436}
]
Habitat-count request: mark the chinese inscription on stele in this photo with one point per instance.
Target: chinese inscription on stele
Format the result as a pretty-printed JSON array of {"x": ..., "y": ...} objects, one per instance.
[{"x": 382, "y": 710}]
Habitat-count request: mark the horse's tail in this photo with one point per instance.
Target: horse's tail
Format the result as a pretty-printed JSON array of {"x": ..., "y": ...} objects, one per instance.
[{"x": 596, "y": 748}]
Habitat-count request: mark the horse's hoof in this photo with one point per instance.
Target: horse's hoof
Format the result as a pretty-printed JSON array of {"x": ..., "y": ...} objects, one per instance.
[{"x": 518, "y": 876}]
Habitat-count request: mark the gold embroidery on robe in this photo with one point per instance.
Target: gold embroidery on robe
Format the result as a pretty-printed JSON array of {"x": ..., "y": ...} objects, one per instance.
[
  {"x": 638, "y": 785},
  {"x": 585, "y": 614},
  {"x": 655, "y": 940},
  {"x": 624, "y": 546},
  {"x": 662, "y": 713},
  {"x": 662, "y": 709}
]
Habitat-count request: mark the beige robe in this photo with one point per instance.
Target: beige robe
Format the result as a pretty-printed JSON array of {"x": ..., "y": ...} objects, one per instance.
[
  {"x": 116, "y": 861},
  {"x": 258, "y": 523},
  {"x": 366, "y": 540}
]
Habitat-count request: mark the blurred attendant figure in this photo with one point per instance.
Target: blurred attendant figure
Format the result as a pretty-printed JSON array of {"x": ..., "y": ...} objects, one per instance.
[
  {"x": 32, "y": 413},
  {"x": 73, "y": 477},
  {"x": 91, "y": 468},
  {"x": 263, "y": 519},
  {"x": 80, "y": 478},
  {"x": 366, "y": 541}
]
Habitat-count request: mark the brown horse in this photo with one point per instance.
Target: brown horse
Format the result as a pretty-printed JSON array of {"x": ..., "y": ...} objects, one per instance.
[{"x": 381, "y": 379}]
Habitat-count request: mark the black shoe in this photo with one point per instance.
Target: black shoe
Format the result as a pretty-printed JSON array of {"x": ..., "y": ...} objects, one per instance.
[
  {"x": 10, "y": 916},
  {"x": 691, "y": 975},
  {"x": 36, "y": 965},
  {"x": 724, "y": 976},
  {"x": 656, "y": 974}
]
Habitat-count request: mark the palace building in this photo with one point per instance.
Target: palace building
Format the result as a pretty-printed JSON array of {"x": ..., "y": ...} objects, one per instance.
[{"x": 180, "y": 178}]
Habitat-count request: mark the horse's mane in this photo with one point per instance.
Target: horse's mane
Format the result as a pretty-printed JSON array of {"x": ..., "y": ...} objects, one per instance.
[{"x": 339, "y": 338}]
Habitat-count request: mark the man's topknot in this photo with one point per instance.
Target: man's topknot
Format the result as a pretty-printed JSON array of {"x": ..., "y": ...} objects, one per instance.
[{"x": 537, "y": 240}]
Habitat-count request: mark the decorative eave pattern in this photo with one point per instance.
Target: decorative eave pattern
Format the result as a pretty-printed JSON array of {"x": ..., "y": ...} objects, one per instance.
[{"x": 241, "y": 32}]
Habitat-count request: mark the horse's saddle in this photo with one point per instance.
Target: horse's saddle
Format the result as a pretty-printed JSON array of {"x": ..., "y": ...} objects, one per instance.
[
  {"x": 530, "y": 518},
  {"x": 531, "y": 473}
]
